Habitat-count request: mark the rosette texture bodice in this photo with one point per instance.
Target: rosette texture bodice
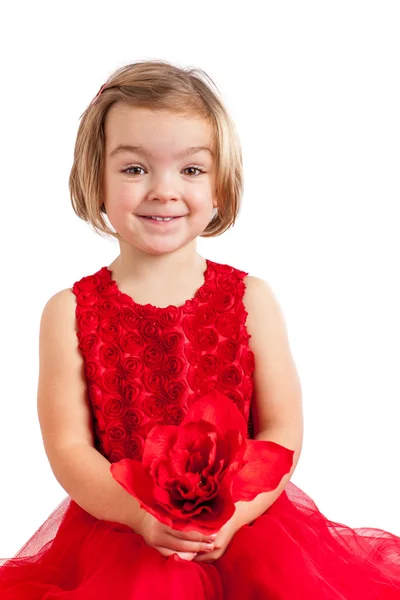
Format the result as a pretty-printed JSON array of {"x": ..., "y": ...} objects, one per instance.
[{"x": 146, "y": 364}]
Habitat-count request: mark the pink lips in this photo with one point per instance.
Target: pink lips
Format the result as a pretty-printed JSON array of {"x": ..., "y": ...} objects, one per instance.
[{"x": 162, "y": 216}]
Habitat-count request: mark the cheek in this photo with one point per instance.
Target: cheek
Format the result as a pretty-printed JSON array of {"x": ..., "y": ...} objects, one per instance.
[
  {"x": 201, "y": 199},
  {"x": 120, "y": 192},
  {"x": 123, "y": 198}
]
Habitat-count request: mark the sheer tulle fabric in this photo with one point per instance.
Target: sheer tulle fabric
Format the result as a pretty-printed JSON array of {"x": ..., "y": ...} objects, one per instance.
[{"x": 291, "y": 551}]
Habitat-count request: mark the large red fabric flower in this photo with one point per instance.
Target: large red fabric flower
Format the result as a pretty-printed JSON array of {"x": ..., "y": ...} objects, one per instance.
[{"x": 192, "y": 474}]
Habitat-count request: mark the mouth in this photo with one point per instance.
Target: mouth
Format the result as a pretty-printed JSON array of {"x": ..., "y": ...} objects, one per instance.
[
  {"x": 158, "y": 217},
  {"x": 160, "y": 222}
]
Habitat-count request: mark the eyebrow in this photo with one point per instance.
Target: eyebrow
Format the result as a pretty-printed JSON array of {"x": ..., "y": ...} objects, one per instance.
[{"x": 126, "y": 148}]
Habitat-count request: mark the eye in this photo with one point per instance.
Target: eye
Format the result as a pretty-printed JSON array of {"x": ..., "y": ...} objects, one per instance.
[
  {"x": 129, "y": 168},
  {"x": 196, "y": 169},
  {"x": 137, "y": 167}
]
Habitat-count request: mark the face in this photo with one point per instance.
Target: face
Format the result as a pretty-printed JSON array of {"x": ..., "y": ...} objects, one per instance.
[{"x": 162, "y": 178}]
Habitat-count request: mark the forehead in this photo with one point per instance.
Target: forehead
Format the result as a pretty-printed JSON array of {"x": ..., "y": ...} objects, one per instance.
[{"x": 152, "y": 129}]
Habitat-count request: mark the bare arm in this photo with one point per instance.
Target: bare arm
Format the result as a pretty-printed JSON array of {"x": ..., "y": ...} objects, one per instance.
[
  {"x": 277, "y": 399},
  {"x": 66, "y": 420},
  {"x": 66, "y": 424}
]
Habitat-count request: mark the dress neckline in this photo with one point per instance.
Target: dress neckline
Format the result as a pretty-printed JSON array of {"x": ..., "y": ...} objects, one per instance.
[{"x": 130, "y": 299}]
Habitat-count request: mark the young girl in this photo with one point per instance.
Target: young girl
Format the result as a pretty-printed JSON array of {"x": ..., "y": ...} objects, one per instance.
[{"x": 140, "y": 341}]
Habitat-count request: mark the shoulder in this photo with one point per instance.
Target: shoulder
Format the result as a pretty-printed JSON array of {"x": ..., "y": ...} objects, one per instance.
[
  {"x": 64, "y": 302},
  {"x": 259, "y": 300},
  {"x": 265, "y": 319},
  {"x": 59, "y": 311},
  {"x": 63, "y": 299},
  {"x": 259, "y": 296}
]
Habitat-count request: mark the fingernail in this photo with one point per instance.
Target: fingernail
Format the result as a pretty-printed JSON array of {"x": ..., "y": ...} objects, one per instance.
[
  {"x": 210, "y": 546},
  {"x": 213, "y": 536}
]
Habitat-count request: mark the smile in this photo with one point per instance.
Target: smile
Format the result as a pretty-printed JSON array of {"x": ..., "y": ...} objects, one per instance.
[{"x": 160, "y": 221}]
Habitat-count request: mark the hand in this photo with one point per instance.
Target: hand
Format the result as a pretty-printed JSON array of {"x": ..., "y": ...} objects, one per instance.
[
  {"x": 169, "y": 541},
  {"x": 223, "y": 538}
]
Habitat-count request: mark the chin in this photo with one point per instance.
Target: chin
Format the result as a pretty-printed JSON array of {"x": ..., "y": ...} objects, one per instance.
[{"x": 159, "y": 249}]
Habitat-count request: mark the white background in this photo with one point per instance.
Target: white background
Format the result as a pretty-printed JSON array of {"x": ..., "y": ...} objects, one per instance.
[{"x": 313, "y": 88}]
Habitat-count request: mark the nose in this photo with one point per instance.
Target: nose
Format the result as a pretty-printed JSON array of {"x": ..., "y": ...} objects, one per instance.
[{"x": 164, "y": 188}]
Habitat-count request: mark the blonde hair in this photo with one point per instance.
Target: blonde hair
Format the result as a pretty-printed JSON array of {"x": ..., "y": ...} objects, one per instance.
[{"x": 156, "y": 85}]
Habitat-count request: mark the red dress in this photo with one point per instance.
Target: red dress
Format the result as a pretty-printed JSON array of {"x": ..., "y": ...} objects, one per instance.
[{"x": 143, "y": 365}]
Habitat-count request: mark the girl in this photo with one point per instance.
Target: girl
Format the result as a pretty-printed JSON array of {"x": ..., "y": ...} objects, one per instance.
[{"x": 138, "y": 342}]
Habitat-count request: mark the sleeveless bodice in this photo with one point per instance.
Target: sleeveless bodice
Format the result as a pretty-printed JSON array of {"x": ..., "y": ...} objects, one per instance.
[{"x": 145, "y": 364}]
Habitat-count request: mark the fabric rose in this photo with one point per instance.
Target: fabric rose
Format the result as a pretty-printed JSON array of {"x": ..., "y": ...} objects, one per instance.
[{"x": 192, "y": 474}]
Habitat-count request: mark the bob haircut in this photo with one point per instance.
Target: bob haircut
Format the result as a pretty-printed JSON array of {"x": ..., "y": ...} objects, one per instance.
[{"x": 156, "y": 85}]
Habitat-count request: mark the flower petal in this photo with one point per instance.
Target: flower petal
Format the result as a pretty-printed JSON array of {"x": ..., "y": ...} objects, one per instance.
[
  {"x": 135, "y": 479},
  {"x": 267, "y": 464},
  {"x": 159, "y": 441},
  {"x": 222, "y": 509},
  {"x": 218, "y": 409},
  {"x": 190, "y": 435},
  {"x": 179, "y": 461},
  {"x": 206, "y": 519}
]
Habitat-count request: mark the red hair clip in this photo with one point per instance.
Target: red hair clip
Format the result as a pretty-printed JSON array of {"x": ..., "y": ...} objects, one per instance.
[{"x": 98, "y": 93}]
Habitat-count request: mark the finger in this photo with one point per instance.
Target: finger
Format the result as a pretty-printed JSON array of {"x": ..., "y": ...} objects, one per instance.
[
  {"x": 167, "y": 552},
  {"x": 207, "y": 557},
  {"x": 187, "y": 555},
  {"x": 188, "y": 546},
  {"x": 193, "y": 536}
]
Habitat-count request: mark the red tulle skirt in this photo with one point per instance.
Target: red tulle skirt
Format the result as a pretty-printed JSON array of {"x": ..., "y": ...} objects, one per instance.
[{"x": 291, "y": 552}]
